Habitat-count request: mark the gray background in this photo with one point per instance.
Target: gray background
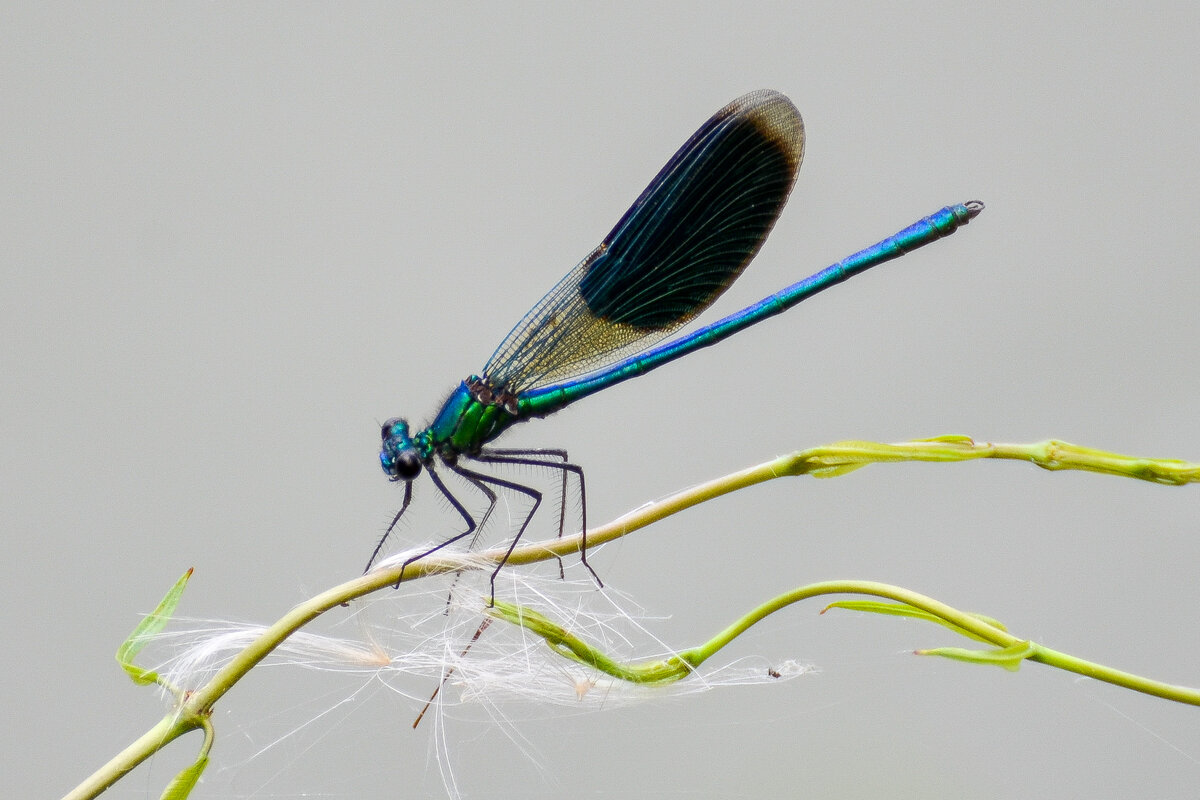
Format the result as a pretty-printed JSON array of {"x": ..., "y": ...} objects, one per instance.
[{"x": 236, "y": 239}]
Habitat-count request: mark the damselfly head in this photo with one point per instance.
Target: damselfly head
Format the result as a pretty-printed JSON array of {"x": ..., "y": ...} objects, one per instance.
[{"x": 398, "y": 457}]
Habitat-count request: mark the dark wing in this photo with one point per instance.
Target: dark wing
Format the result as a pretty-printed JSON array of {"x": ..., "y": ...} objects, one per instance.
[{"x": 686, "y": 239}]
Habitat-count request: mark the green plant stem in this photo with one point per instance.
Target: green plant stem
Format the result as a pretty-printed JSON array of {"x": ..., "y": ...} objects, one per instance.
[
  {"x": 1012, "y": 648},
  {"x": 166, "y": 731},
  {"x": 829, "y": 461}
]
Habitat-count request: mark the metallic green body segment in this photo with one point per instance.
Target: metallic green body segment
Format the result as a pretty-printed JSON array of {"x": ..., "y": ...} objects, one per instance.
[
  {"x": 689, "y": 235},
  {"x": 465, "y": 424},
  {"x": 547, "y": 400}
]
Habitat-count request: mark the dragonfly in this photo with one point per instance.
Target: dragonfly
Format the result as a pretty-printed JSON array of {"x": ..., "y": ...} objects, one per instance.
[{"x": 683, "y": 242}]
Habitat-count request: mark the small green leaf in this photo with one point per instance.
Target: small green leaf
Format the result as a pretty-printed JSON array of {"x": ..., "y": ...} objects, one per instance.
[
  {"x": 836, "y": 470},
  {"x": 182, "y": 784},
  {"x": 903, "y": 610},
  {"x": 877, "y": 607},
  {"x": 1009, "y": 658},
  {"x": 150, "y": 625}
]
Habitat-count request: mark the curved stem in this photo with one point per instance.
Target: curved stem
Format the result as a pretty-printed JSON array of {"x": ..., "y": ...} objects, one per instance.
[
  {"x": 1011, "y": 649},
  {"x": 829, "y": 461}
]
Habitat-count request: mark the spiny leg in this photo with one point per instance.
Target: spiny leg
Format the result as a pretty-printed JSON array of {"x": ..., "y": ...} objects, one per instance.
[
  {"x": 459, "y": 507},
  {"x": 403, "y": 507},
  {"x": 528, "y": 491},
  {"x": 480, "y": 481},
  {"x": 515, "y": 457},
  {"x": 472, "y": 526},
  {"x": 492, "y": 500},
  {"x": 553, "y": 452}
]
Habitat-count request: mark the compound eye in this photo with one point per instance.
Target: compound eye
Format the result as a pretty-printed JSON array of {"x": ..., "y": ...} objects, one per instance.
[
  {"x": 386, "y": 430},
  {"x": 407, "y": 465}
]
